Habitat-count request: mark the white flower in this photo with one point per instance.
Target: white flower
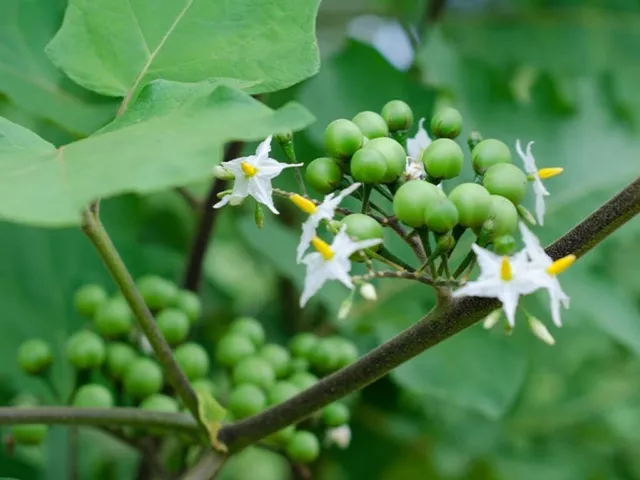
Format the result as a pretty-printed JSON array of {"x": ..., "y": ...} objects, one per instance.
[
  {"x": 341, "y": 436},
  {"x": 504, "y": 278},
  {"x": 331, "y": 262},
  {"x": 325, "y": 211},
  {"x": 414, "y": 168},
  {"x": 253, "y": 175}
]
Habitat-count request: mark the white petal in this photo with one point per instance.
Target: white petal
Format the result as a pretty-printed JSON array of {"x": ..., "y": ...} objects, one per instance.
[
  {"x": 223, "y": 201},
  {"x": 488, "y": 288},
  {"x": 540, "y": 208},
  {"x": 509, "y": 299},
  {"x": 260, "y": 189},
  {"x": 527, "y": 158},
  {"x": 417, "y": 144},
  {"x": 488, "y": 261},
  {"x": 308, "y": 232},
  {"x": 339, "y": 270},
  {"x": 316, "y": 277},
  {"x": 264, "y": 148},
  {"x": 345, "y": 193},
  {"x": 270, "y": 168}
]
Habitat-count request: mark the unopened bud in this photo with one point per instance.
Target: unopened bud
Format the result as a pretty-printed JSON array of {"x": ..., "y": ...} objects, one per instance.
[
  {"x": 504, "y": 245},
  {"x": 491, "y": 319},
  {"x": 445, "y": 242},
  {"x": 340, "y": 436},
  {"x": 345, "y": 307},
  {"x": 224, "y": 193},
  {"x": 259, "y": 215},
  {"x": 474, "y": 139},
  {"x": 526, "y": 215},
  {"x": 540, "y": 330},
  {"x": 368, "y": 292},
  {"x": 222, "y": 173},
  {"x": 284, "y": 137}
]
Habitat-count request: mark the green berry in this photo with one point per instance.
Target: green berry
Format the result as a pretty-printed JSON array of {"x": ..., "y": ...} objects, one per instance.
[
  {"x": 34, "y": 356},
  {"x": 363, "y": 227},
  {"x": 246, "y": 400},
  {"x": 205, "y": 386},
  {"x": 441, "y": 217},
  {"x": 303, "y": 380},
  {"x": 507, "y": 180},
  {"x": 85, "y": 350},
  {"x": 143, "y": 378},
  {"x": 445, "y": 242},
  {"x": 193, "y": 360},
  {"x": 325, "y": 356},
  {"x": 347, "y": 351},
  {"x": 157, "y": 292},
  {"x": 174, "y": 325},
  {"x": 398, "y": 115},
  {"x": 114, "y": 318},
  {"x": 254, "y": 370},
  {"x": 411, "y": 200},
  {"x": 447, "y": 123},
  {"x": 282, "y": 437},
  {"x": 443, "y": 159},
  {"x": 190, "y": 304},
  {"x": 299, "y": 364},
  {"x": 281, "y": 391},
  {"x": 342, "y": 138},
  {"x": 503, "y": 216},
  {"x": 278, "y": 357},
  {"x": 303, "y": 447},
  {"x": 159, "y": 402},
  {"x": 504, "y": 245},
  {"x": 394, "y": 155},
  {"x": 232, "y": 348},
  {"x": 302, "y": 344},
  {"x": 119, "y": 357},
  {"x": 473, "y": 203},
  {"x": 371, "y": 124},
  {"x": 489, "y": 152},
  {"x": 88, "y": 298},
  {"x": 30, "y": 434},
  {"x": 93, "y": 396},
  {"x": 323, "y": 175},
  {"x": 335, "y": 414},
  {"x": 250, "y": 328},
  {"x": 368, "y": 165}
]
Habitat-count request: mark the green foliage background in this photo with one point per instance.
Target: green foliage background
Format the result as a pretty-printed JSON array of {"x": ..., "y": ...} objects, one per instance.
[{"x": 480, "y": 406}]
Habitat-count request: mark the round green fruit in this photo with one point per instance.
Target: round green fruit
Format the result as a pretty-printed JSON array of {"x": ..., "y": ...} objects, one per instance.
[
  {"x": 371, "y": 124},
  {"x": 232, "y": 348},
  {"x": 443, "y": 159},
  {"x": 323, "y": 175},
  {"x": 143, "y": 378},
  {"x": 447, "y": 123},
  {"x": 335, "y": 414},
  {"x": 246, "y": 400},
  {"x": 93, "y": 396},
  {"x": 398, "y": 115},
  {"x": 174, "y": 325},
  {"x": 278, "y": 357},
  {"x": 119, "y": 357},
  {"x": 489, "y": 152},
  {"x": 190, "y": 304},
  {"x": 368, "y": 165},
  {"x": 441, "y": 217},
  {"x": 394, "y": 155},
  {"x": 299, "y": 364},
  {"x": 85, "y": 350},
  {"x": 503, "y": 216},
  {"x": 88, "y": 298},
  {"x": 347, "y": 351},
  {"x": 303, "y": 380},
  {"x": 30, "y": 434},
  {"x": 504, "y": 245},
  {"x": 114, "y": 318},
  {"x": 35, "y": 356},
  {"x": 363, "y": 227},
  {"x": 342, "y": 138},
  {"x": 282, "y": 391},
  {"x": 254, "y": 370},
  {"x": 205, "y": 386},
  {"x": 193, "y": 360},
  {"x": 507, "y": 180},
  {"x": 159, "y": 402},
  {"x": 157, "y": 292},
  {"x": 473, "y": 203},
  {"x": 303, "y": 447},
  {"x": 325, "y": 356},
  {"x": 411, "y": 200},
  {"x": 250, "y": 328},
  {"x": 282, "y": 437},
  {"x": 302, "y": 344}
]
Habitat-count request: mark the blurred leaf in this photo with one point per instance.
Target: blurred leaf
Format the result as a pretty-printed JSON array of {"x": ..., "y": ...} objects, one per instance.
[
  {"x": 211, "y": 414},
  {"x": 116, "y": 47}
]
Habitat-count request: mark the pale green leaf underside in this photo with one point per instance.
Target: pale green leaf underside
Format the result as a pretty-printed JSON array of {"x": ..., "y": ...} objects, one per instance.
[
  {"x": 116, "y": 46},
  {"x": 172, "y": 135}
]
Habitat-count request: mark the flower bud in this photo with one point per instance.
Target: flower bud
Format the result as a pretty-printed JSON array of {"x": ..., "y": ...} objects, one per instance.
[
  {"x": 368, "y": 292},
  {"x": 526, "y": 215},
  {"x": 284, "y": 137},
  {"x": 445, "y": 242},
  {"x": 492, "y": 319},
  {"x": 345, "y": 308},
  {"x": 540, "y": 330},
  {"x": 474, "y": 139},
  {"x": 504, "y": 245},
  {"x": 259, "y": 216},
  {"x": 222, "y": 173},
  {"x": 340, "y": 436}
]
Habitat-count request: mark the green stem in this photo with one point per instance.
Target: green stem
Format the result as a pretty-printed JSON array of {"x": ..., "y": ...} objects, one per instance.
[
  {"x": 424, "y": 236},
  {"x": 464, "y": 264},
  {"x": 382, "y": 191},
  {"x": 445, "y": 265},
  {"x": 365, "y": 197},
  {"x": 387, "y": 255}
]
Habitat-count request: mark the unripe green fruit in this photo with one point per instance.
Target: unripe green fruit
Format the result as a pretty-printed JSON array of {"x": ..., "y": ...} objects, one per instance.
[
  {"x": 342, "y": 138},
  {"x": 93, "y": 396},
  {"x": 507, "y": 180},
  {"x": 88, "y": 298},
  {"x": 254, "y": 370},
  {"x": 347, "y": 351},
  {"x": 250, "y": 328},
  {"x": 442, "y": 216},
  {"x": 85, "y": 350},
  {"x": 190, "y": 304},
  {"x": 282, "y": 437},
  {"x": 302, "y": 344},
  {"x": 363, "y": 227},
  {"x": 282, "y": 391},
  {"x": 504, "y": 245},
  {"x": 193, "y": 360},
  {"x": 398, "y": 115},
  {"x": 299, "y": 364},
  {"x": 446, "y": 242},
  {"x": 368, "y": 165},
  {"x": 143, "y": 378},
  {"x": 278, "y": 357},
  {"x": 489, "y": 152},
  {"x": 157, "y": 292},
  {"x": 447, "y": 123},
  {"x": 303, "y": 447},
  {"x": 443, "y": 159},
  {"x": 114, "y": 318},
  {"x": 394, "y": 155},
  {"x": 30, "y": 434},
  {"x": 503, "y": 215},
  {"x": 371, "y": 124},
  {"x": 303, "y": 380},
  {"x": 323, "y": 175},
  {"x": 232, "y": 348},
  {"x": 473, "y": 203},
  {"x": 34, "y": 356},
  {"x": 246, "y": 400},
  {"x": 160, "y": 403},
  {"x": 205, "y": 386},
  {"x": 335, "y": 414},
  {"x": 174, "y": 325},
  {"x": 325, "y": 356},
  {"x": 411, "y": 200},
  {"x": 119, "y": 357}
]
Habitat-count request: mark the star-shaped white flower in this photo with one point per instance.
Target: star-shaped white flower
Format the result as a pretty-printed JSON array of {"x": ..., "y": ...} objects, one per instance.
[
  {"x": 504, "y": 278},
  {"x": 317, "y": 213},
  {"x": 414, "y": 169},
  {"x": 253, "y": 175},
  {"x": 331, "y": 262}
]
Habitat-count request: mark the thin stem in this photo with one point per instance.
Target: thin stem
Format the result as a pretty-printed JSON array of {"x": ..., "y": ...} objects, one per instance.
[
  {"x": 466, "y": 261},
  {"x": 189, "y": 197},
  {"x": 424, "y": 237},
  {"x": 365, "y": 197},
  {"x": 382, "y": 191},
  {"x": 385, "y": 256},
  {"x": 417, "y": 276},
  {"x": 96, "y": 232},
  {"x": 445, "y": 265},
  {"x": 445, "y": 320},
  {"x": 74, "y": 446},
  {"x": 208, "y": 467}
]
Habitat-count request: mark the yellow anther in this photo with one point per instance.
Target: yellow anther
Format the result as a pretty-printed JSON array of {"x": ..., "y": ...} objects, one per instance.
[
  {"x": 322, "y": 247},
  {"x": 561, "y": 265},
  {"x": 248, "y": 169},
  {"x": 545, "y": 173},
  {"x": 304, "y": 204},
  {"x": 506, "y": 273}
]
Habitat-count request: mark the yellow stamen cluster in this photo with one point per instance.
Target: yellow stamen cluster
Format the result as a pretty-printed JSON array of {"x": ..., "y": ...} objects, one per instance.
[
  {"x": 506, "y": 272},
  {"x": 304, "y": 204},
  {"x": 322, "y": 247},
  {"x": 545, "y": 173},
  {"x": 248, "y": 169},
  {"x": 561, "y": 265}
]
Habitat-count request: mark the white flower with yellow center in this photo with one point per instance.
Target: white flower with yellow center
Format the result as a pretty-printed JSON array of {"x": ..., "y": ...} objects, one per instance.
[
  {"x": 253, "y": 175},
  {"x": 537, "y": 176},
  {"x": 414, "y": 169},
  {"x": 317, "y": 213},
  {"x": 331, "y": 262}
]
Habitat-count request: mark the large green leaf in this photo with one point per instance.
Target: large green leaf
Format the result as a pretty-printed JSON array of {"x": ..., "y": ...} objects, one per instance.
[
  {"x": 29, "y": 78},
  {"x": 173, "y": 135},
  {"x": 116, "y": 46}
]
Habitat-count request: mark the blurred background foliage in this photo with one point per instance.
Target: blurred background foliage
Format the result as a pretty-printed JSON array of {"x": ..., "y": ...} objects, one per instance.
[{"x": 482, "y": 405}]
